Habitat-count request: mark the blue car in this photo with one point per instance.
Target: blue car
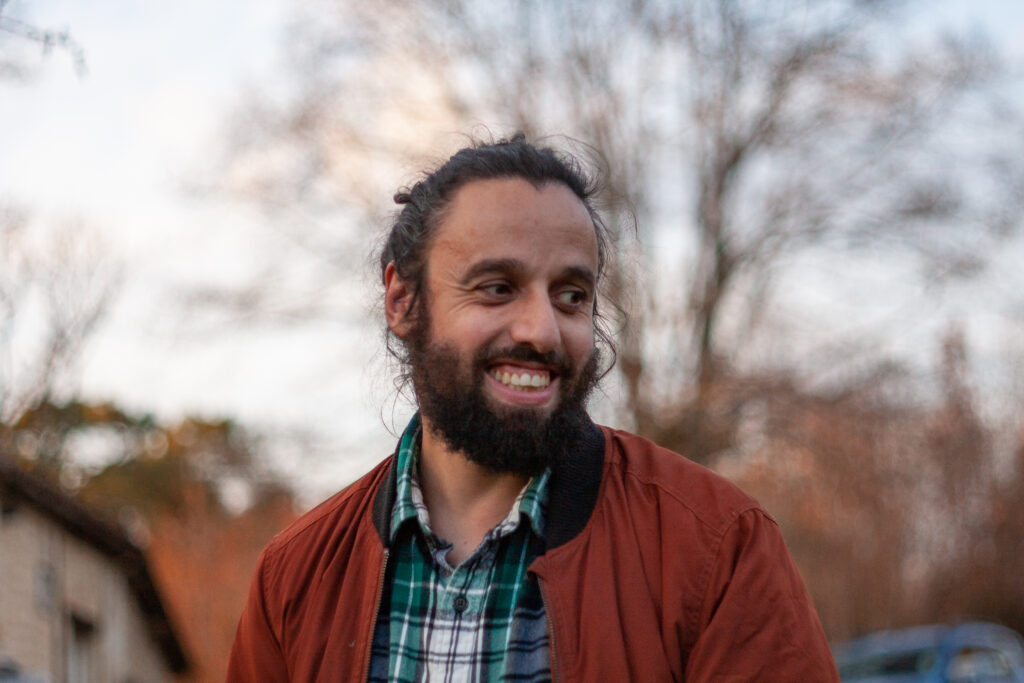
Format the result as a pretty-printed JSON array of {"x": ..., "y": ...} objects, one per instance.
[{"x": 960, "y": 653}]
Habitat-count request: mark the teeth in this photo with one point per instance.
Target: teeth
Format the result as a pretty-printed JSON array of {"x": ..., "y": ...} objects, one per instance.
[{"x": 522, "y": 380}]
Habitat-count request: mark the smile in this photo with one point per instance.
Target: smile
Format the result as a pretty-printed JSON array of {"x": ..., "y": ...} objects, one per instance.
[{"x": 523, "y": 380}]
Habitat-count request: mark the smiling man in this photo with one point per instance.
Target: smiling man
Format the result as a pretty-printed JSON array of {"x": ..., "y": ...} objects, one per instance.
[{"x": 509, "y": 537}]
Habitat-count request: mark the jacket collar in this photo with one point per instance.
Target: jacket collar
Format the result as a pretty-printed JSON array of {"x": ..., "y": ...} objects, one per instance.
[{"x": 572, "y": 491}]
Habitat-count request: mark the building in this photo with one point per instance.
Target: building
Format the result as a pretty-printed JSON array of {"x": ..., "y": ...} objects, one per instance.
[{"x": 77, "y": 601}]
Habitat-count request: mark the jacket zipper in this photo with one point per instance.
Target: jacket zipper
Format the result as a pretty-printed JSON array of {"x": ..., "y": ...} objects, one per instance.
[
  {"x": 376, "y": 614},
  {"x": 551, "y": 629}
]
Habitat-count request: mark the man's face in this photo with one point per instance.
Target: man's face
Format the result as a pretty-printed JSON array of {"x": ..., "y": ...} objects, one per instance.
[{"x": 503, "y": 351}]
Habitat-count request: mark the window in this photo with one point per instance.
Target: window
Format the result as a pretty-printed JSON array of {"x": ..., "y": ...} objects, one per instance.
[
  {"x": 46, "y": 588},
  {"x": 81, "y": 643},
  {"x": 979, "y": 664},
  {"x": 888, "y": 664}
]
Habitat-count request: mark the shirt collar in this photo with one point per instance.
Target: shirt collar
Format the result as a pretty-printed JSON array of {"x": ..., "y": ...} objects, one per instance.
[{"x": 409, "y": 500}]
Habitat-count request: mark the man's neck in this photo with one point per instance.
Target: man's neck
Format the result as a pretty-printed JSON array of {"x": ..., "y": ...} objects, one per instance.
[{"x": 465, "y": 500}]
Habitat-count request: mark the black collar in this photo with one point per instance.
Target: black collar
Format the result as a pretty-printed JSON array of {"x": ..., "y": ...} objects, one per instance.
[{"x": 572, "y": 491}]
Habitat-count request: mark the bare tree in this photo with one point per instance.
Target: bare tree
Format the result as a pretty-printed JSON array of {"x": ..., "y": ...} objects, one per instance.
[
  {"x": 16, "y": 34},
  {"x": 54, "y": 287},
  {"x": 896, "y": 509},
  {"x": 737, "y": 136},
  {"x": 744, "y": 141}
]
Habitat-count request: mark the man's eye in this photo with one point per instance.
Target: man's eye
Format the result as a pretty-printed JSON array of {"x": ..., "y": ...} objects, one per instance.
[
  {"x": 497, "y": 289},
  {"x": 571, "y": 297}
]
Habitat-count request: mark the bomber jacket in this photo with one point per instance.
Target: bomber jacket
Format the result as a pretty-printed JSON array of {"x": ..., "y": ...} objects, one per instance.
[{"x": 655, "y": 569}]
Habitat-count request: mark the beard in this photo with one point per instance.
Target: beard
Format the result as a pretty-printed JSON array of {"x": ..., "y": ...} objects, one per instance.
[{"x": 502, "y": 439}]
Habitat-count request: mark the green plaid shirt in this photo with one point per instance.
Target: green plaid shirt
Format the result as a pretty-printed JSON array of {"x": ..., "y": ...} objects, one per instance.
[{"x": 481, "y": 621}]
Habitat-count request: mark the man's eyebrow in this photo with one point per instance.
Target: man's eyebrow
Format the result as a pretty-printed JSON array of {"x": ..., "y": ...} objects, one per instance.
[
  {"x": 512, "y": 266},
  {"x": 581, "y": 273},
  {"x": 492, "y": 265}
]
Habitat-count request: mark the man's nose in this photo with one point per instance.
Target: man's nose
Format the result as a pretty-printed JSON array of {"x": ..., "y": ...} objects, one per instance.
[{"x": 536, "y": 323}]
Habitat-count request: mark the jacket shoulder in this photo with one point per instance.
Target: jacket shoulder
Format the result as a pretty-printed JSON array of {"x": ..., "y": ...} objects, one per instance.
[
  {"x": 344, "y": 508},
  {"x": 643, "y": 465},
  {"x": 330, "y": 556}
]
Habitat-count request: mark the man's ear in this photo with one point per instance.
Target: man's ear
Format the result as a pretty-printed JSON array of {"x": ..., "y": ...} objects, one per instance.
[{"x": 397, "y": 299}]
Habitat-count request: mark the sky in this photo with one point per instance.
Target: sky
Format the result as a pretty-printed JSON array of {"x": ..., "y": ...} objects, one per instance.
[{"x": 117, "y": 148}]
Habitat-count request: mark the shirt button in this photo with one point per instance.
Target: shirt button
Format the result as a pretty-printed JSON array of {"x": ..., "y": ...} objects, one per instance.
[{"x": 460, "y": 603}]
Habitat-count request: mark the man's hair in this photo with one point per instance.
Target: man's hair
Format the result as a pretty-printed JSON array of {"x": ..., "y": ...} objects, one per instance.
[{"x": 424, "y": 205}]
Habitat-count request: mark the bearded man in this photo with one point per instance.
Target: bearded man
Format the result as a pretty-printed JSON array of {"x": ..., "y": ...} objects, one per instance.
[{"x": 509, "y": 537}]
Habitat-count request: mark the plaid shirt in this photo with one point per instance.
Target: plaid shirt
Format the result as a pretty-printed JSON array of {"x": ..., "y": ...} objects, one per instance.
[{"x": 481, "y": 621}]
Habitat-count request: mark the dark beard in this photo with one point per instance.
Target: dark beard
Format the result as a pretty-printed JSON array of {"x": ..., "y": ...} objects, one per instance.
[{"x": 520, "y": 441}]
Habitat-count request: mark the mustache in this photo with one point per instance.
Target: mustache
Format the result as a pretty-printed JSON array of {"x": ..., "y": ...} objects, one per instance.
[{"x": 553, "y": 359}]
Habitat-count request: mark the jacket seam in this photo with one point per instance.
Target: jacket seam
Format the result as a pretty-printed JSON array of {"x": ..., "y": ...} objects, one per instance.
[
  {"x": 719, "y": 533},
  {"x": 704, "y": 581},
  {"x": 715, "y": 558},
  {"x": 720, "y": 530},
  {"x": 271, "y": 574}
]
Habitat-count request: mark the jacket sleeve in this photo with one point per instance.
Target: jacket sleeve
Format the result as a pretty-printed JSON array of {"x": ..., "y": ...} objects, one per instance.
[
  {"x": 757, "y": 622},
  {"x": 257, "y": 654}
]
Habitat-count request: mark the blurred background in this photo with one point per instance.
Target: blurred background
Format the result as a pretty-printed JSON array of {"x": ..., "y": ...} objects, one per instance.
[{"x": 817, "y": 285}]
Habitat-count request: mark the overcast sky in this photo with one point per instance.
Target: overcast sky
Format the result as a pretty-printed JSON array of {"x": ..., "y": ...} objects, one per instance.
[{"x": 116, "y": 148}]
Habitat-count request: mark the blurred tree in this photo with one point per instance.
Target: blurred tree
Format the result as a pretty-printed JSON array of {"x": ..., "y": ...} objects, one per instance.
[
  {"x": 16, "y": 35},
  {"x": 896, "y": 507},
  {"x": 978, "y": 533},
  {"x": 194, "y": 495},
  {"x": 986, "y": 582},
  {"x": 743, "y": 140},
  {"x": 746, "y": 141},
  {"x": 54, "y": 283},
  {"x": 839, "y": 474},
  {"x": 54, "y": 287}
]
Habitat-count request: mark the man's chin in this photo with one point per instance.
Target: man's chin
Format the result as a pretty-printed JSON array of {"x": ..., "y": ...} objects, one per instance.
[
  {"x": 502, "y": 438},
  {"x": 518, "y": 411},
  {"x": 494, "y": 425}
]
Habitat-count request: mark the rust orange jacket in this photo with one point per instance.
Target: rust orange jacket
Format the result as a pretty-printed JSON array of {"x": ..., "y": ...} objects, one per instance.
[{"x": 656, "y": 569}]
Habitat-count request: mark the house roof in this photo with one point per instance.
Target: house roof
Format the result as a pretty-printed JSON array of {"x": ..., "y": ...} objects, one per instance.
[{"x": 109, "y": 539}]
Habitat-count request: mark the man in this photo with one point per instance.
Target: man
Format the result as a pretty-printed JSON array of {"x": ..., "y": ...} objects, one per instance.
[{"x": 509, "y": 538}]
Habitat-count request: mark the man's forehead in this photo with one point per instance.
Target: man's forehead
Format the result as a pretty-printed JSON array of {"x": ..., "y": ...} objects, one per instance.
[
  {"x": 512, "y": 209},
  {"x": 508, "y": 189}
]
